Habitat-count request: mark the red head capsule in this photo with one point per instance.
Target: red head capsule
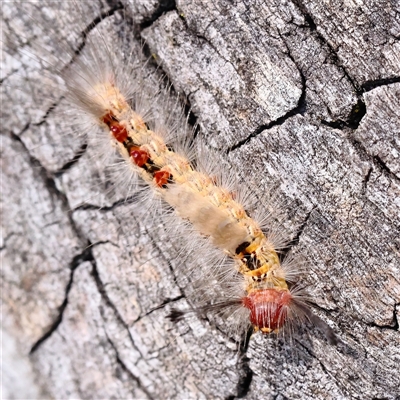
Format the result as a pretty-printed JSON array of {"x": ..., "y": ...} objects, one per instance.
[
  {"x": 139, "y": 156},
  {"x": 161, "y": 178},
  {"x": 268, "y": 308}
]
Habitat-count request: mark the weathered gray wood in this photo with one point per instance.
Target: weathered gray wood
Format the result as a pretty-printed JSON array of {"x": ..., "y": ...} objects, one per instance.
[{"x": 299, "y": 96}]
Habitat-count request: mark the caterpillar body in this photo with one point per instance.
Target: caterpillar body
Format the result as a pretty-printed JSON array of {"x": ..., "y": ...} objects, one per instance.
[{"x": 195, "y": 197}]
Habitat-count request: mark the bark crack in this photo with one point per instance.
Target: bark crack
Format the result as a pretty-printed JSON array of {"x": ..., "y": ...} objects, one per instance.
[
  {"x": 383, "y": 167},
  {"x": 127, "y": 370},
  {"x": 86, "y": 255},
  {"x": 6, "y": 239},
  {"x": 310, "y": 353},
  {"x": 163, "y": 7},
  {"x": 85, "y": 32},
  {"x": 394, "y": 325},
  {"x": 113, "y": 206},
  {"x": 299, "y": 109},
  {"x": 69, "y": 164},
  {"x": 246, "y": 374},
  {"x": 107, "y": 300},
  {"x": 375, "y": 159},
  {"x": 295, "y": 240},
  {"x": 49, "y": 182},
  {"x": 366, "y": 180},
  {"x": 357, "y": 113},
  {"x": 335, "y": 58},
  {"x": 370, "y": 85},
  {"x": 246, "y": 377},
  {"x": 48, "y": 112}
]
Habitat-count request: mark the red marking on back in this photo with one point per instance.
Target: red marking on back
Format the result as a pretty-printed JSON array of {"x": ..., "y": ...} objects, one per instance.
[
  {"x": 161, "y": 178},
  {"x": 268, "y": 307},
  {"x": 139, "y": 156},
  {"x": 119, "y": 132}
]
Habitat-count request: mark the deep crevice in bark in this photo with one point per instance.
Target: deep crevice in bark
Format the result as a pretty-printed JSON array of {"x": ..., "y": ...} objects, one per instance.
[
  {"x": 69, "y": 164},
  {"x": 245, "y": 373},
  {"x": 86, "y": 255},
  {"x": 43, "y": 120},
  {"x": 370, "y": 85},
  {"x": 394, "y": 325},
  {"x": 299, "y": 109},
  {"x": 48, "y": 181},
  {"x": 163, "y": 7},
  {"x": 366, "y": 179},
  {"x": 244, "y": 383},
  {"x": 104, "y": 209},
  {"x": 85, "y": 32},
  {"x": 310, "y": 353},
  {"x": 6, "y": 239},
  {"x": 48, "y": 112},
  {"x": 383, "y": 167},
  {"x": 356, "y": 115},
  {"x": 295, "y": 240}
]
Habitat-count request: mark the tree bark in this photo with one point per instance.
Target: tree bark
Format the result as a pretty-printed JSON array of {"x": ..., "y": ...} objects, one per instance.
[{"x": 302, "y": 99}]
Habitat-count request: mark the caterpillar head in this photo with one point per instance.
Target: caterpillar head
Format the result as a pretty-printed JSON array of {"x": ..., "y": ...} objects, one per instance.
[{"x": 268, "y": 308}]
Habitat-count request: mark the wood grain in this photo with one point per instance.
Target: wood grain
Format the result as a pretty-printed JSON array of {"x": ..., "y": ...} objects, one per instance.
[{"x": 300, "y": 96}]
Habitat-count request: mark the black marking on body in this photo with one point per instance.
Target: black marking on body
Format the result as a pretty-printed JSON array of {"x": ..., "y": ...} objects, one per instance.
[
  {"x": 251, "y": 261},
  {"x": 242, "y": 247}
]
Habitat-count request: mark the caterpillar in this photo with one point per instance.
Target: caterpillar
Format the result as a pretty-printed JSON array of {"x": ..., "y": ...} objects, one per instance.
[{"x": 196, "y": 198}]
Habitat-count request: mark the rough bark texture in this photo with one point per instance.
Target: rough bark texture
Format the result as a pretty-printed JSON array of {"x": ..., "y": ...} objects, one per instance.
[{"x": 302, "y": 96}]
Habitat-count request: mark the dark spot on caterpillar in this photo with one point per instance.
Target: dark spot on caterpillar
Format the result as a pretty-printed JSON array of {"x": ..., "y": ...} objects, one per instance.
[
  {"x": 109, "y": 118},
  {"x": 150, "y": 167},
  {"x": 251, "y": 261},
  {"x": 129, "y": 143},
  {"x": 170, "y": 147},
  {"x": 242, "y": 247}
]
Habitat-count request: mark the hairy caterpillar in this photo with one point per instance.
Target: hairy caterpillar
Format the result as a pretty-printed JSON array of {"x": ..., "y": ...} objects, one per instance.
[
  {"x": 236, "y": 283},
  {"x": 194, "y": 197}
]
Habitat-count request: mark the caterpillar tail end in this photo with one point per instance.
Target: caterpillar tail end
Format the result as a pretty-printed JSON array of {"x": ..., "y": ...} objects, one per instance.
[{"x": 268, "y": 308}]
